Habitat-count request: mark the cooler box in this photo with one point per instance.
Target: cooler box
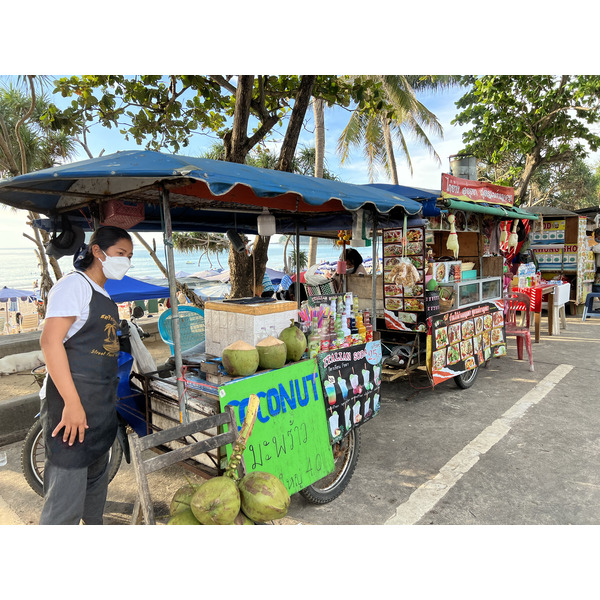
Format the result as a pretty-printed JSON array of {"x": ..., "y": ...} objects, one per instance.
[{"x": 227, "y": 322}]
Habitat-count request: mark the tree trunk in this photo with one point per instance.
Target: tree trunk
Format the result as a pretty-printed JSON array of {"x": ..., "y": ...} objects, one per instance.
[
  {"x": 253, "y": 264},
  {"x": 389, "y": 150},
  {"x": 290, "y": 141},
  {"x": 319, "y": 164},
  {"x": 236, "y": 143}
]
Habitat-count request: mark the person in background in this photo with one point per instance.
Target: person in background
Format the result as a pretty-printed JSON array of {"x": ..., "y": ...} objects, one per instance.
[
  {"x": 354, "y": 262},
  {"x": 78, "y": 397}
]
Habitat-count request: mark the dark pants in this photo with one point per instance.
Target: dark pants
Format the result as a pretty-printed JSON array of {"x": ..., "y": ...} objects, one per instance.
[{"x": 74, "y": 495}]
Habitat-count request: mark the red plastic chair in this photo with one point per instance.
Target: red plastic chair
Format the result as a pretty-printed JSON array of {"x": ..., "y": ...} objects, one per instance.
[{"x": 515, "y": 303}]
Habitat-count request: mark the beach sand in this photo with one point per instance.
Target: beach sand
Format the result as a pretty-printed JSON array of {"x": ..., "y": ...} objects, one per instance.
[{"x": 23, "y": 384}]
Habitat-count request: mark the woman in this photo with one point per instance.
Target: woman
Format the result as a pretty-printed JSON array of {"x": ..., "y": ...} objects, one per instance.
[
  {"x": 80, "y": 347},
  {"x": 354, "y": 264}
]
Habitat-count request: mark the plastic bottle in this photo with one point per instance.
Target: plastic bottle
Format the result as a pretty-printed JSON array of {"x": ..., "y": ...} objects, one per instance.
[
  {"x": 262, "y": 334},
  {"x": 362, "y": 332},
  {"x": 273, "y": 332},
  {"x": 314, "y": 343},
  {"x": 368, "y": 327}
]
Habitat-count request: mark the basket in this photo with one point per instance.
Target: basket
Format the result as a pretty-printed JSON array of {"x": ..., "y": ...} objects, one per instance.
[
  {"x": 40, "y": 374},
  {"x": 446, "y": 304},
  {"x": 122, "y": 213}
]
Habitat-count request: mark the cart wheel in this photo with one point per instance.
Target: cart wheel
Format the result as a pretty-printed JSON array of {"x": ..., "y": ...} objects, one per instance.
[
  {"x": 33, "y": 457},
  {"x": 345, "y": 454},
  {"x": 467, "y": 379}
]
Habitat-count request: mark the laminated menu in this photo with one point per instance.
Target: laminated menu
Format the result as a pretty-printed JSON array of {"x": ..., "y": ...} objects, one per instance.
[
  {"x": 404, "y": 288},
  {"x": 460, "y": 340}
]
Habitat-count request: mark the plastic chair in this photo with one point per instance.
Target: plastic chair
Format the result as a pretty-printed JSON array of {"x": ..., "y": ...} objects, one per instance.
[
  {"x": 562, "y": 295},
  {"x": 588, "y": 310},
  {"x": 191, "y": 327},
  {"x": 513, "y": 304}
]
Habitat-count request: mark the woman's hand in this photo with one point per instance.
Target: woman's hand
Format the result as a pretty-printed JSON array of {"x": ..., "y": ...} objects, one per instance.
[{"x": 74, "y": 421}]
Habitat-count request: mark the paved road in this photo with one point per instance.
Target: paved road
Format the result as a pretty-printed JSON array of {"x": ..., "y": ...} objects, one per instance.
[{"x": 517, "y": 448}]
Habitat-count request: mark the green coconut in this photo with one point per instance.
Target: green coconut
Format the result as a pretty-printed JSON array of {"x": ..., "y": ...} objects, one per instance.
[
  {"x": 240, "y": 359},
  {"x": 432, "y": 285},
  {"x": 184, "y": 517},
  {"x": 272, "y": 353},
  {"x": 183, "y": 498},
  {"x": 242, "y": 519},
  {"x": 216, "y": 502},
  {"x": 295, "y": 342},
  {"x": 263, "y": 496}
]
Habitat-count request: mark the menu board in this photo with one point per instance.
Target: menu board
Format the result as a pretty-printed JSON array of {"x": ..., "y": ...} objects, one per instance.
[
  {"x": 289, "y": 438},
  {"x": 351, "y": 384},
  {"x": 461, "y": 340},
  {"x": 402, "y": 304}
]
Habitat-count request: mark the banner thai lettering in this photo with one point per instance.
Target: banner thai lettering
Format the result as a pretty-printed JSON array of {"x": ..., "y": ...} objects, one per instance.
[{"x": 476, "y": 191}]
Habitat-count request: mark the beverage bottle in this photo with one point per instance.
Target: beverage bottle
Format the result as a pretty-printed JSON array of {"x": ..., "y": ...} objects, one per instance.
[
  {"x": 262, "y": 334},
  {"x": 362, "y": 331},
  {"x": 368, "y": 328},
  {"x": 314, "y": 343}
]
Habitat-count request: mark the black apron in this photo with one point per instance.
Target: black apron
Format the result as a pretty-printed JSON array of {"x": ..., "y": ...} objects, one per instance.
[{"x": 92, "y": 352}]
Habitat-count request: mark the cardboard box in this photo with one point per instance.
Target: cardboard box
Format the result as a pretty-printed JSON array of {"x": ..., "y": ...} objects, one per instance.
[{"x": 226, "y": 322}]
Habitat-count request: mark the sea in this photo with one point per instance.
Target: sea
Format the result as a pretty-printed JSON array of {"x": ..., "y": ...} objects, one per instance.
[{"x": 19, "y": 267}]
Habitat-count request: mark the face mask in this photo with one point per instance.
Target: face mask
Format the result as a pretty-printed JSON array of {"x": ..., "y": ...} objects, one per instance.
[{"x": 115, "y": 267}]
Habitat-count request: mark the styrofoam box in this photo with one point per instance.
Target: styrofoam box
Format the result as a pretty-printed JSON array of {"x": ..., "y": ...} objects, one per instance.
[{"x": 223, "y": 327}]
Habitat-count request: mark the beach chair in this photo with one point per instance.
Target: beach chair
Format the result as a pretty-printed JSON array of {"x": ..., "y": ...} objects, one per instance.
[
  {"x": 2, "y": 325},
  {"x": 30, "y": 322}
]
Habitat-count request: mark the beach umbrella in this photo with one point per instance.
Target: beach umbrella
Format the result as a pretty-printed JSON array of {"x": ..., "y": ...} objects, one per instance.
[{"x": 13, "y": 294}]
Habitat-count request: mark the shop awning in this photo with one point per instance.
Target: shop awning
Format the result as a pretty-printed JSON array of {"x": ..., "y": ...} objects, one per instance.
[
  {"x": 498, "y": 211},
  {"x": 205, "y": 195}
]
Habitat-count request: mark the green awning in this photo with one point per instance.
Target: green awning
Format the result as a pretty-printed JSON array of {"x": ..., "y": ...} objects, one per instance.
[{"x": 498, "y": 211}]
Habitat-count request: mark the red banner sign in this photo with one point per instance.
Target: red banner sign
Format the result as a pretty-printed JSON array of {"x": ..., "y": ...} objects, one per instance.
[{"x": 476, "y": 191}]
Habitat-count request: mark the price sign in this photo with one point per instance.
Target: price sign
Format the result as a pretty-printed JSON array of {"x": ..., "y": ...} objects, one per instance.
[{"x": 290, "y": 437}]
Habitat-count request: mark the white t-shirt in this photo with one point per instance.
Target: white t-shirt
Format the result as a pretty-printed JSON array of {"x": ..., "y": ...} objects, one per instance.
[{"x": 70, "y": 296}]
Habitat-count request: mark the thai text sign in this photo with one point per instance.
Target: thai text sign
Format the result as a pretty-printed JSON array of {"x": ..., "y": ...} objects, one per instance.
[
  {"x": 289, "y": 438},
  {"x": 476, "y": 191},
  {"x": 460, "y": 340},
  {"x": 351, "y": 382}
]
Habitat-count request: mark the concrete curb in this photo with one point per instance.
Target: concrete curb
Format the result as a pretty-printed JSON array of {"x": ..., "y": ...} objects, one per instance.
[{"x": 17, "y": 416}]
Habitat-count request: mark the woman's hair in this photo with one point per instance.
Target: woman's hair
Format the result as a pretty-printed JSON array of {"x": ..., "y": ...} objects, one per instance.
[
  {"x": 105, "y": 237},
  {"x": 354, "y": 257}
]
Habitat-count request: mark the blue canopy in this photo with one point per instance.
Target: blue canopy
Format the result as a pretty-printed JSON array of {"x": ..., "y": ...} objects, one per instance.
[
  {"x": 129, "y": 289},
  {"x": 14, "y": 294},
  {"x": 203, "y": 193}
]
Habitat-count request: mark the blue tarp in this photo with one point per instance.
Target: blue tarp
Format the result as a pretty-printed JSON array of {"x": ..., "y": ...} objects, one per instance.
[
  {"x": 129, "y": 289},
  {"x": 193, "y": 183}
]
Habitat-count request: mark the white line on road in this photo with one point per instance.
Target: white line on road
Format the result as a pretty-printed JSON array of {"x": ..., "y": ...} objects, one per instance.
[{"x": 425, "y": 497}]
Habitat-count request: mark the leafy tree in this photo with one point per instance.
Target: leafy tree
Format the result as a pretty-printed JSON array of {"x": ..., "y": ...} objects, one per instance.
[
  {"x": 165, "y": 112},
  {"x": 28, "y": 144},
  {"x": 375, "y": 126},
  {"x": 523, "y": 122}
]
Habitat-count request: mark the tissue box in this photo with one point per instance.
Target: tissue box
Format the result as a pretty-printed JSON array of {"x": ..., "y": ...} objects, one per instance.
[{"x": 226, "y": 322}]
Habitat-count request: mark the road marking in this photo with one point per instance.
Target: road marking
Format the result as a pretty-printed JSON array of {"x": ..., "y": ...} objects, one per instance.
[{"x": 426, "y": 496}]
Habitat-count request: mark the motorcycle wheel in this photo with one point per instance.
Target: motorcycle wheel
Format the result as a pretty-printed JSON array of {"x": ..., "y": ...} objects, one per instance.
[
  {"x": 345, "y": 454},
  {"x": 33, "y": 456},
  {"x": 465, "y": 380}
]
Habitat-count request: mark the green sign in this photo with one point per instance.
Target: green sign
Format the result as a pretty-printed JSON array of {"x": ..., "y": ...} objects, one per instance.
[{"x": 290, "y": 438}]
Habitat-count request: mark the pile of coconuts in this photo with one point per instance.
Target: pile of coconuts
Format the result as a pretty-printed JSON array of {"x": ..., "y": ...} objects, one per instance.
[
  {"x": 258, "y": 497},
  {"x": 228, "y": 500},
  {"x": 241, "y": 359}
]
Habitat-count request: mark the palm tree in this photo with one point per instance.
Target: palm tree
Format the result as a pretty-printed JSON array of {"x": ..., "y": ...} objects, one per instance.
[
  {"x": 400, "y": 114},
  {"x": 28, "y": 144}
]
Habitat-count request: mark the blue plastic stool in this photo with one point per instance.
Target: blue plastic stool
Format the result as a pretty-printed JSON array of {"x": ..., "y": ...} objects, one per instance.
[{"x": 589, "y": 303}]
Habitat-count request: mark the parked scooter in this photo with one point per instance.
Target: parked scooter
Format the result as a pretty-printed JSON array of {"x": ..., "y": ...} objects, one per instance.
[{"x": 130, "y": 409}]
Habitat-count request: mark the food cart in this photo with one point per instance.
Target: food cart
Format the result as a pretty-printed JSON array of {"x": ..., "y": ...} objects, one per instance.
[
  {"x": 148, "y": 191},
  {"x": 453, "y": 330}
]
